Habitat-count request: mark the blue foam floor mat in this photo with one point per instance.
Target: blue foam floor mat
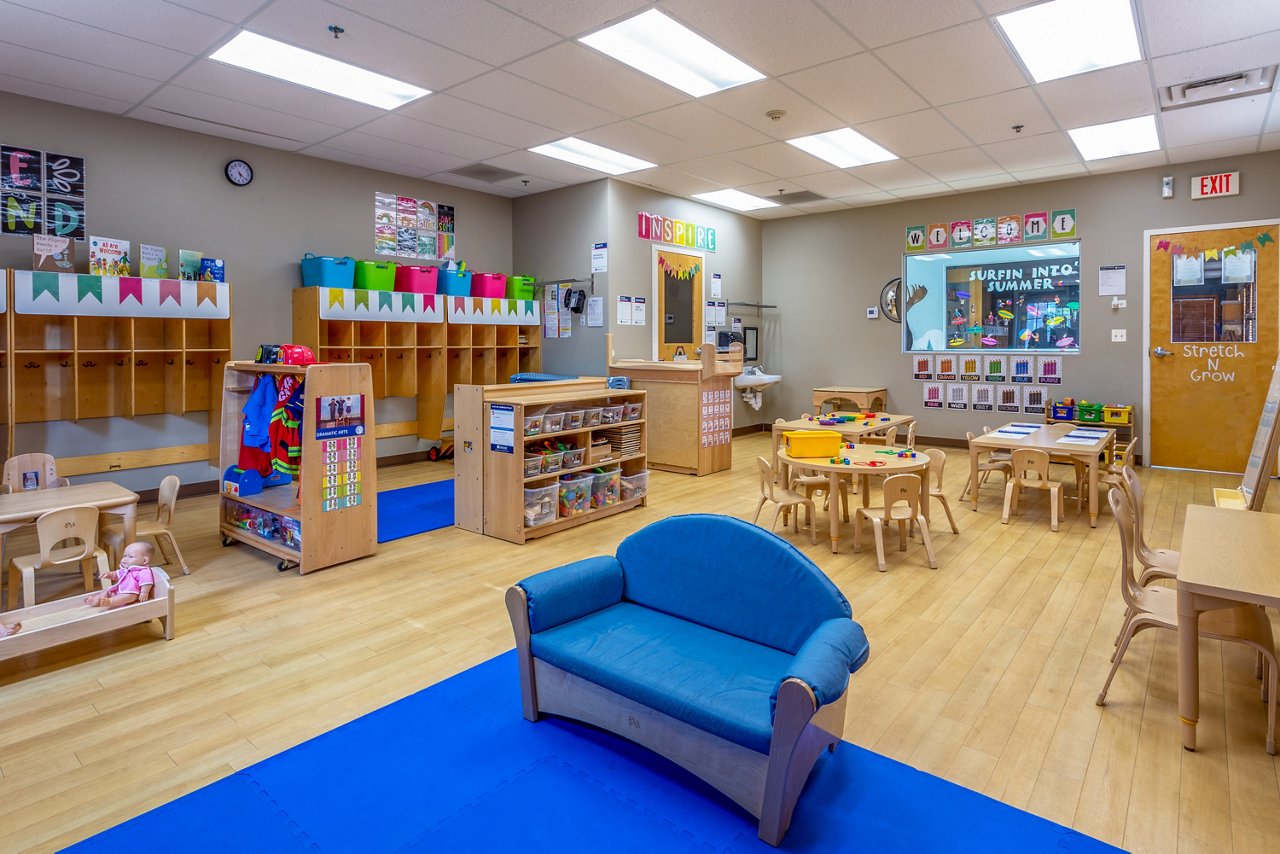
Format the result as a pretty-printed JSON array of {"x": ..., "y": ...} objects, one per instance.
[
  {"x": 414, "y": 510},
  {"x": 456, "y": 768}
]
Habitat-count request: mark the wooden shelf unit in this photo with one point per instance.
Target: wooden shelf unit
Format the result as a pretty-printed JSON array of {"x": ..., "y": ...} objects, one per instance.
[
  {"x": 489, "y": 485},
  {"x": 328, "y": 538},
  {"x": 424, "y": 352}
]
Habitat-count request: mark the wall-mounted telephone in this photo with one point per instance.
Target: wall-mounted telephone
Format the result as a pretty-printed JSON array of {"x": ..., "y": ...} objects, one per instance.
[{"x": 575, "y": 300}]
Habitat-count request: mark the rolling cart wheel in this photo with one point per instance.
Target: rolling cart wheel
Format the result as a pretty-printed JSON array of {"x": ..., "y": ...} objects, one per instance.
[
  {"x": 433, "y": 454},
  {"x": 227, "y": 541},
  {"x": 282, "y": 566}
]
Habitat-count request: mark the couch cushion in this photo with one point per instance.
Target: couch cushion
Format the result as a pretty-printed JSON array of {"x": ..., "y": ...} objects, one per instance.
[
  {"x": 729, "y": 575},
  {"x": 708, "y": 679}
]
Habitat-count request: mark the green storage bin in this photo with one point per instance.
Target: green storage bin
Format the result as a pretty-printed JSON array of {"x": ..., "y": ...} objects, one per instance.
[
  {"x": 520, "y": 287},
  {"x": 1089, "y": 412},
  {"x": 376, "y": 275}
]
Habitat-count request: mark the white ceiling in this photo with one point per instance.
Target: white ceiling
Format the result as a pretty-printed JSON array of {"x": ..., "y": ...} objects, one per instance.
[{"x": 931, "y": 80}]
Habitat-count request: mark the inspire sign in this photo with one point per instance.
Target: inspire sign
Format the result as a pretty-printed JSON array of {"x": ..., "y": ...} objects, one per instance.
[{"x": 663, "y": 229}]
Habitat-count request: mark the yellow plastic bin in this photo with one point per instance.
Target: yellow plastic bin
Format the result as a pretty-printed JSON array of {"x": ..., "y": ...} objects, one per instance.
[
  {"x": 811, "y": 443},
  {"x": 1117, "y": 414}
]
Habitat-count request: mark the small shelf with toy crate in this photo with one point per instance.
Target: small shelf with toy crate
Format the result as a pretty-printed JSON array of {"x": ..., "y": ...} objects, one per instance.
[{"x": 1120, "y": 417}]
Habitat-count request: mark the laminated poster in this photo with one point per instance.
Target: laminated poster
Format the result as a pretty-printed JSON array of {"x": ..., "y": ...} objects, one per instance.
[
  {"x": 1049, "y": 370},
  {"x": 1033, "y": 400},
  {"x": 923, "y": 368},
  {"x": 446, "y": 247},
  {"x": 957, "y": 396},
  {"x": 984, "y": 398},
  {"x": 993, "y": 368},
  {"x": 938, "y": 234},
  {"x": 970, "y": 368},
  {"x": 407, "y": 242},
  {"x": 1008, "y": 398},
  {"x": 21, "y": 213},
  {"x": 1035, "y": 226},
  {"x": 1022, "y": 368},
  {"x": 984, "y": 231},
  {"x": 947, "y": 368},
  {"x": 426, "y": 244},
  {"x": 384, "y": 239},
  {"x": 961, "y": 234},
  {"x": 445, "y": 214},
  {"x": 932, "y": 395},
  {"x": 915, "y": 238}
]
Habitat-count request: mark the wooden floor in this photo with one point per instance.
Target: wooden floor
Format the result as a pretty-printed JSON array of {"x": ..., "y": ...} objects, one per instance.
[{"x": 983, "y": 671}]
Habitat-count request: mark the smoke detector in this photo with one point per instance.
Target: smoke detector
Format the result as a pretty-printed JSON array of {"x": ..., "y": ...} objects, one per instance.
[
  {"x": 776, "y": 115},
  {"x": 1240, "y": 84}
]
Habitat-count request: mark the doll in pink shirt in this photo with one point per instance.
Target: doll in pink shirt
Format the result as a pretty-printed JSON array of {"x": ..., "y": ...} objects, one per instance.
[{"x": 131, "y": 582}]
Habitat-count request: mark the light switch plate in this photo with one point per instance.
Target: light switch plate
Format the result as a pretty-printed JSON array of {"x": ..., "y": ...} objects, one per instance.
[{"x": 1119, "y": 335}]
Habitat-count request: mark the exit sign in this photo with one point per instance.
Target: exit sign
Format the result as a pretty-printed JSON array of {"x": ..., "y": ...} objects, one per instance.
[{"x": 1212, "y": 186}]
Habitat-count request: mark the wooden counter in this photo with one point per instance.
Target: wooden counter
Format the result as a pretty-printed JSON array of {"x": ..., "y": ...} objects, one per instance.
[{"x": 690, "y": 413}]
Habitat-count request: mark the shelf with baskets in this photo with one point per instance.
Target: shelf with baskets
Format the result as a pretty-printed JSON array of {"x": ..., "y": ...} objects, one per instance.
[
  {"x": 577, "y": 452},
  {"x": 420, "y": 345},
  {"x": 1122, "y": 419}
]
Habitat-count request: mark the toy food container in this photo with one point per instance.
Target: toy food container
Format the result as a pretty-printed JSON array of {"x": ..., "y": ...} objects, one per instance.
[
  {"x": 575, "y": 494},
  {"x": 325, "y": 271},
  {"x": 631, "y": 411},
  {"x": 573, "y": 457},
  {"x": 573, "y": 420},
  {"x": 553, "y": 422},
  {"x": 605, "y": 488},
  {"x": 376, "y": 275},
  {"x": 416, "y": 280},
  {"x": 611, "y": 414},
  {"x": 1117, "y": 414},
  {"x": 635, "y": 486},
  {"x": 811, "y": 443},
  {"x": 591, "y": 417},
  {"x": 491, "y": 285},
  {"x": 551, "y": 462},
  {"x": 532, "y": 465},
  {"x": 540, "y": 505}
]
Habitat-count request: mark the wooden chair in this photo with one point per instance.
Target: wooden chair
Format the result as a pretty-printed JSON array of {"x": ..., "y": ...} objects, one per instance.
[
  {"x": 937, "y": 460},
  {"x": 159, "y": 529},
  {"x": 884, "y": 437},
  {"x": 911, "y": 435},
  {"x": 771, "y": 490},
  {"x": 1156, "y": 563},
  {"x": 1031, "y": 471},
  {"x": 901, "y": 505},
  {"x": 1111, "y": 472},
  {"x": 1157, "y": 608},
  {"x": 809, "y": 481},
  {"x": 56, "y": 526},
  {"x": 995, "y": 461},
  {"x": 43, "y": 466}
]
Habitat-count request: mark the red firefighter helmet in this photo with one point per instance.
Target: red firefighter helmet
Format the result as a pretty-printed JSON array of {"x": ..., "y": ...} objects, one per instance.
[{"x": 296, "y": 354}]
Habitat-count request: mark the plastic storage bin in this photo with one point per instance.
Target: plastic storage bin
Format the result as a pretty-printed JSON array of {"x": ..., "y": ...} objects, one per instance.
[
  {"x": 1117, "y": 414},
  {"x": 1063, "y": 411},
  {"x": 574, "y": 457},
  {"x": 611, "y": 415},
  {"x": 631, "y": 411},
  {"x": 489, "y": 285},
  {"x": 812, "y": 443},
  {"x": 634, "y": 486},
  {"x": 520, "y": 287},
  {"x": 532, "y": 465},
  {"x": 575, "y": 494},
  {"x": 540, "y": 505},
  {"x": 454, "y": 283},
  {"x": 376, "y": 275},
  {"x": 553, "y": 422},
  {"x": 591, "y": 417},
  {"x": 416, "y": 280},
  {"x": 551, "y": 462},
  {"x": 1089, "y": 412},
  {"x": 573, "y": 419},
  {"x": 325, "y": 271},
  {"x": 605, "y": 488}
]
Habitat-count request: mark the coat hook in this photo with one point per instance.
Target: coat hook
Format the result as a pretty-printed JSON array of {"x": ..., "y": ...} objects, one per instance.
[
  {"x": 141, "y": 363},
  {"x": 89, "y": 364},
  {"x": 168, "y": 361},
  {"x": 119, "y": 363},
  {"x": 31, "y": 365},
  {"x": 65, "y": 363},
  {"x": 190, "y": 362}
]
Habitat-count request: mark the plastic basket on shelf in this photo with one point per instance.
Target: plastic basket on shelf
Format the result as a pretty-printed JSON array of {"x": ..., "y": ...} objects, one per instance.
[
  {"x": 1091, "y": 412},
  {"x": 376, "y": 275},
  {"x": 634, "y": 486},
  {"x": 632, "y": 411},
  {"x": 1063, "y": 411},
  {"x": 489, "y": 285},
  {"x": 540, "y": 505},
  {"x": 520, "y": 287},
  {"x": 1117, "y": 414},
  {"x": 416, "y": 280},
  {"x": 605, "y": 488},
  {"x": 575, "y": 494},
  {"x": 573, "y": 457},
  {"x": 532, "y": 465},
  {"x": 325, "y": 271},
  {"x": 553, "y": 422},
  {"x": 455, "y": 283},
  {"x": 591, "y": 416},
  {"x": 551, "y": 462}
]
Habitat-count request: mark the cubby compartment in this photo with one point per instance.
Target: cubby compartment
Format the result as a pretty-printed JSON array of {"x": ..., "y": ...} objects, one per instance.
[
  {"x": 484, "y": 336},
  {"x": 157, "y": 333},
  {"x": 459, "y": 334},
  {"x": 44, "y": 387},
  {"x": 104, "y": 333},
  {"x": 335, "y": 354},
  {"x": 430, "y": 334},
  {"x": 105, "y": 385},
  {"x": 203, "y": 334},
  {"x": 371, "y": 334},
  {"x": 157, "y": 383},
  {"x": 37, "y": 332},
  {"x": 201, "y": 370},
  {"x": 459, "y": 369},
  {"x": 508, "y": 336},
  {"x": 402, "y": 334},
  {"x": 508, "y": 360},
  {"x": 377, "y": 361},
  {"x": 484, "y": 366},
  {"x": 529, "y": 361},
  {"x": 402, "y": 371},
  {"x": 336, "y": 333}
]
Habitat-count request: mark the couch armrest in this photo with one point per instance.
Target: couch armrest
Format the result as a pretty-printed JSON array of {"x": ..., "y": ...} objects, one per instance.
[
  {"x": 835, "y": 649},
  {"x": 571, "y": 591}
]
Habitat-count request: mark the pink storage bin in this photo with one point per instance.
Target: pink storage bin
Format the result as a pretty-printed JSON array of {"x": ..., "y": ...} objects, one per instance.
[
  {"x": 416, "y": 280},
  {"x": 492, "y": 285}
]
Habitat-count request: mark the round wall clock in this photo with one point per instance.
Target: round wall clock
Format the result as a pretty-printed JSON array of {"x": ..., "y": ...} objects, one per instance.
[{"x": 238, "y": 172}]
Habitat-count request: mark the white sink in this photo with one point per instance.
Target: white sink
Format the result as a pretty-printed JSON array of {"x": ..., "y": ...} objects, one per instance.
[{"x": 754, "y": 378}]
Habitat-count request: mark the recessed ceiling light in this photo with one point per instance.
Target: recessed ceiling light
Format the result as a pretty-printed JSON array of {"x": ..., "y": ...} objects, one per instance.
[
  {"x": 736, "y": 199},
  {"x": 655, "y": 44},
  {"x": 286, "y": 62},
  {"x": 588, "y": 154},
  {"x": 1065, "y": 37},
  {"x": 1113, "y": 139},
  {"x": 844, "y": 148}
]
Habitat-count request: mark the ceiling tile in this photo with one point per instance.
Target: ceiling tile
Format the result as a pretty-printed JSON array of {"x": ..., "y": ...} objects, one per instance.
[
  {"x": 228, "y": 10},
  {"x": 999, "y": 7},
  {"x": 596, "y": 79},
  {"x": 863, "y": 200},
  {"x": 448, "y": 111},
  {"x": 780, "y": 212},
  {"x": 476, "y": 28},
  {"x": 834, "y": 184},
  {"x": 670, "y": 181},
  {"x": 436, "y": 138},
  {"x": 353, "y": 159},
  {"x": 793, "y": 34},
  {"x": 1107, "y": 95},
  {"x": 721, "y": 170},
  {"x": 993, "y": 117},
  {"x": 452, "y": 180},
  {"x": 748, "y": 104},
  {"x": 161, "y": 117},
  {"x": 857, "y": 89},
  {"x": 1049, "y": 173},
  {"x": 1269, "y": 142},
  {"x": 216, "y": 78},
  {"x": 421, "y": 160},
  {"x": 1171, "y": 26},
  {"x": 1227, "y": 58},
  {"x": 527, "y": 185},
  {"x": 1211, "y": 122},
  {"x": 955, "y": 64},
  {"x": 968, "y": 185},
  {"x": 780, "y": 160},
  {"x": 697, "y": 123},
  {"x": 644, "y": 142},
  {"x": 39, "y": 31},
  {"x": 934, "y": 189},
  {"x": 518, "y": 97},
  {"x": 61, "y": 72},
  {"x": 574, "y": 17},
  {"x": 769, "y": 189},
  {"x": 880, "y": 22},
  {"x": 153, "y": 21},
  {"x": 528, "y": 163},
  {"x": 1033, "y": 152},
  {"x": 922, "y": 132},
  {"x": 1214, "y": 150},
  {"x": 366, "y": 43},
  {"x": 233, "y": 114},
  {"x": 822, "y": 206},
  {"x": 963, "y": 163},
  {"x": 1128, "y": 162},
  {"x": 893, "y": 175},
  {"x": 58, "y": 94}
]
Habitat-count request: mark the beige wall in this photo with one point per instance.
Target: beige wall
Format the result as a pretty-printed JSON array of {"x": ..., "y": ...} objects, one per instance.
[
  {"x": 154, "y": 184},
  {"x": 823, "y": 271}
]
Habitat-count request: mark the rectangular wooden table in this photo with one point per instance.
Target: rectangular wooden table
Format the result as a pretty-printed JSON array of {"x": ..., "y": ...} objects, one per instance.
[
  {"x": 23, "y": 508},
  {"x": 1045, "y": 437},
  {"x": 1228, "y": 557},
  {"x": 866, "y": 398}
]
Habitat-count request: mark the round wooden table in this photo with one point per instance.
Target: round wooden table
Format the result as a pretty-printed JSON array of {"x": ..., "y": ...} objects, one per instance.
[{"x": 863, "y": 463}]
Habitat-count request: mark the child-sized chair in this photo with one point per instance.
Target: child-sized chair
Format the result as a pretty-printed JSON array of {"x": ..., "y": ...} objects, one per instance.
[
  {"x": 1031, "y": 471},
  {"x": 29, "y": 472},
  {"x": 937, "y": 460},
  {"x": 159, "y": 529},
  {"x": 901, "y": 505},
  {"x": 70, "y": 523},
  {"x": 884, "y": 437},
  {"x": 771, "y": 490},
  {"x": 996, "y": 461}
]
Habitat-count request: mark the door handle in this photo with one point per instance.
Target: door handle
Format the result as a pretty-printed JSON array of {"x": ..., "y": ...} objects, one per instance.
[{"x": 1161, "y": 352}]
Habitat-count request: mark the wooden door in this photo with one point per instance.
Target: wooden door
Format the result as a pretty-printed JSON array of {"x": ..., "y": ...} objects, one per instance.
[
  {"x": 1213, "y": 340},
  {"x": 679, "y": 285}
]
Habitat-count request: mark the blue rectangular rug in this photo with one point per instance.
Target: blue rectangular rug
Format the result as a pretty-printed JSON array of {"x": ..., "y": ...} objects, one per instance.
[
  {"x": 456, "y": 768},
  {"x": 414, "y": 510}
]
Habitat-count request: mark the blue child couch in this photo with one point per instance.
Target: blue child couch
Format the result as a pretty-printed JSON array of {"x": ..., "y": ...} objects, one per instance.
[{"x": 706, "y": 639}]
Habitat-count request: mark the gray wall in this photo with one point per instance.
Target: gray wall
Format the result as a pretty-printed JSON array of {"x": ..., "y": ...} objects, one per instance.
[
  {"x": 824, "y": 270},
  {"x": 154, "y": 184}
]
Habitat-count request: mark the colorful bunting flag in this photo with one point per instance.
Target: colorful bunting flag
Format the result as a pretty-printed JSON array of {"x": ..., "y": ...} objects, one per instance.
[
  {"x": 45, "y": 283},
  {"x": 130, "y": 286},
  {"x": 384, "y": 300},
  {"x": 88, "y": 286},
  {"x": 206, "y": 291},
  {"x": 170, "y": 289},
  {"x": 1211, "y": 254},
  {"x": 362, "y": 299},
  {"x": 1246, "y": 246},
  {"x": 1265, "y": 238},
  {"x": 336, "y": 297},
  {"x": 1162, "y": 246}
]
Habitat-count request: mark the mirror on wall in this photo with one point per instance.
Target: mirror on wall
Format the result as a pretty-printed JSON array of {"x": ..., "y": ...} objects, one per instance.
[{"x": 679, "y": 279}]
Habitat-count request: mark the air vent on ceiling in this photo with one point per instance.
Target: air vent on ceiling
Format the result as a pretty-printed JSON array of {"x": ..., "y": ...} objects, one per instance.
[
  {"x": 1241, "y": 84},
  {"x": 796, "y": 198},
  {"x": 484, "y": 172}
]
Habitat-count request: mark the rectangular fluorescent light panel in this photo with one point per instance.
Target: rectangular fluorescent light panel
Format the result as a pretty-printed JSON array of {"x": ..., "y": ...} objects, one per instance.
[
  {"x": 843, "y": 148},
  {"x": 592, "y": 156},
  {"x": 655, "y": 44},
  {"x": 1113, "y": 139},
  {"x": 1066, "y": 37},
  {"x": 736, "y": 199},
  {"x": 295, "y": 65}
]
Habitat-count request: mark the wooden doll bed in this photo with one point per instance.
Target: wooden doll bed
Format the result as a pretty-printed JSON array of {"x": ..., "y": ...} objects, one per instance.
[{"x": 65, "y": 620}]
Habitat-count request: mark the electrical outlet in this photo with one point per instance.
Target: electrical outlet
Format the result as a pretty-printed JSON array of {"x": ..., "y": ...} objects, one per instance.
[{"x": 1119, "y": 336}]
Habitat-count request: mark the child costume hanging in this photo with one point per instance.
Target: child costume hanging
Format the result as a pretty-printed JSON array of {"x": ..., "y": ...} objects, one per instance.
[{"x": 271, "y": 441}]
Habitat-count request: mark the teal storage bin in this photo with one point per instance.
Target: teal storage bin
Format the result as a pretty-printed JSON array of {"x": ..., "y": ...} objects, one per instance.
[
  {"x": 520, "y": 287},
  {"x": 376, "y": 275},
  {"x": 455, "y": 283},
  {"x": 325, "y": 271}
]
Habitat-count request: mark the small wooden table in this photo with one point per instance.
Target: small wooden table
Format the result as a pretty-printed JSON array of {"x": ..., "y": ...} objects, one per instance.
[
  {"x": 23, "y": 508},
  {"x": 858, "y": 458},
  {"x": 1045, "y": 438},
  {"x": 1226, "y": 555},
  {"x": 867, "y": 399},
  {"x": 850, "y": 431}
]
